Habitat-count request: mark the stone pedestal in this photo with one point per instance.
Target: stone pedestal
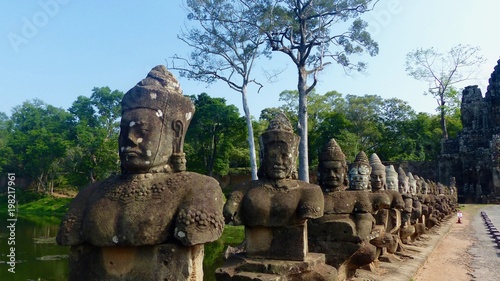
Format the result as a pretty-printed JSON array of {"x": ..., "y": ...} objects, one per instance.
[
  {"x": 241, "y": 268},
  {"x": 281, "y": 243},
  {"x": 160, "y": 262}
]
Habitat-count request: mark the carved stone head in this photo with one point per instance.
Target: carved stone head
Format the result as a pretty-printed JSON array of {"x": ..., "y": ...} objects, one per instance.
[
  {"x": 278, "y": 150},
  {"x": 425, "y": 187},
  {"x": 412, "y": 184},
  {"x": 391, "y": 178},
  {"x": 418, "y": 184},
  {"x": 332, "y": 167},
  {"x": 359, "y": 173},
  {"x": 403, "y": 182},
  {"x": 377, "y": 176},
  {"x": 155, "y": 117}
]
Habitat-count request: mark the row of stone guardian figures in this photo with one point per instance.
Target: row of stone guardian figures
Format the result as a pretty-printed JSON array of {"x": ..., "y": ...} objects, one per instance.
[{"x": 151, "y": 221}]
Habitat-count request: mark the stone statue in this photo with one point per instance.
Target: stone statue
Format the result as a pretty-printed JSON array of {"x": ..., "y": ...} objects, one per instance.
[
  {"x": 359, "y": 173},
  {"x": 274, "y": 211},
  {"x": 417, "y": 218},
  {"x": 407, "y": 229},
  {"x": 344, "y": 231},
  {"x": 391, "y": 177},
  {"x": 390, "y": 204},
  {"x": 151, "y": 221}
]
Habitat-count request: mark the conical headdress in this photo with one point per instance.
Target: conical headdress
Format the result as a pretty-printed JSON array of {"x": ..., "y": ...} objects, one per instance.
[
  {"x": 401, "y": 174},
  {"x": 375, "y": 163},
  {"x": 331, "y": 152},
  {"x": 390, "y": 171}
]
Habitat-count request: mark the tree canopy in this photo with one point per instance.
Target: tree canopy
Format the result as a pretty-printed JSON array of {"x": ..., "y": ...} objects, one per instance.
[
  {"x": 58, "y": 148},
  {"x": 310, "y": 33},
  {"x": 442, "y": 71}
]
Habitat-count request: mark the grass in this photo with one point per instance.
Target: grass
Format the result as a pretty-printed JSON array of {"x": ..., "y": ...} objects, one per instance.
[{"x": 48, "y": 207}]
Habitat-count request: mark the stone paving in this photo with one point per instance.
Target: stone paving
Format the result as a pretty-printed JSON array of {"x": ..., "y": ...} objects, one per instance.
[
  {"x": 415, "y": 257},
  {"x": 485, "y": 252}
]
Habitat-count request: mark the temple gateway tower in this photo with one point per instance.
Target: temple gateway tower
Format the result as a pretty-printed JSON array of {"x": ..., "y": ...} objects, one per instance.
[{"x": 473, "y": 156}]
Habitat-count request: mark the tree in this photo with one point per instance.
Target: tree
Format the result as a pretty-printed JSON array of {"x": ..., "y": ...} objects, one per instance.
[
  {"x": 213, "y": 135},
  {"x": 363, "y": 113},
  {"x": 5, "y": 131},
  {"x": 225, "y": 49},
  {"x": 442, "y": 71},
  {"x": 39, "y": 139},
  {"x": 94, "y": 155},
  {"x": 396, "y": 141},
  {"x": 303, "y": 30},
  {"x": 320, "y": 108}
]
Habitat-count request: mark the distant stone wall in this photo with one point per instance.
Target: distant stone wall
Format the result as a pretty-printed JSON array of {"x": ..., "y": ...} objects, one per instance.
[
  {"x": 427, "y": 169},
  {"x": 472, "y": 157}
]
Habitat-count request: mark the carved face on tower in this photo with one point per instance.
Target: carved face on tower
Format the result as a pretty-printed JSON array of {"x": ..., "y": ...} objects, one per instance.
[
  {"x": 332, "y": 167},
  {"x": 155, "y": 116},
  {"x": 377, "y": 176},
  {"x": 359, "y": 173},
  {"x": 278, "y": 149}
]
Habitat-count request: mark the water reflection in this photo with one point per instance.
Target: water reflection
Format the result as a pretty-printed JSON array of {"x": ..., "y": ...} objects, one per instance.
[{"x": 38, "y": 256}]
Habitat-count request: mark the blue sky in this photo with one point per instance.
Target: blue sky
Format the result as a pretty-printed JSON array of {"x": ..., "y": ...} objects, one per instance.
[{"x": 56, "y": 50}]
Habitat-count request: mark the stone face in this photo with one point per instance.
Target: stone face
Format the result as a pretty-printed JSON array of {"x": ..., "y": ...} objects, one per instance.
[
  {"x": 472, "y": 157},
  {"x": 274, "y": 211},
  {"x": 346, "y": 229},
  {"x": 359, "y": 173},
  {"x": 151, "y": 221}
]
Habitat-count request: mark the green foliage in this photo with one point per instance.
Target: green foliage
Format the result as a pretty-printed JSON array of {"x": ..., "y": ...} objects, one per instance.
[
  {"x": 389, "y": 127},
  {"x": 309, "y": 33},
  {"x": 47, "y": 206},
  {"x": 5, "y": 150},
  {"x": 38, "y": 139},
  {"x": 214, "y": 133},
  {"x": 442, "y": 71},
  {"x": 214, "y": 251},
  {"x": 56, "y": 148},
  {"x": 94, "y": 155},
  {"x": 59, "y": 149}
]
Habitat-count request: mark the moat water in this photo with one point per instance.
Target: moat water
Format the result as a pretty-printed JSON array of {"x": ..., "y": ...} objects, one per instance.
[{"x": 39, "y": 258}]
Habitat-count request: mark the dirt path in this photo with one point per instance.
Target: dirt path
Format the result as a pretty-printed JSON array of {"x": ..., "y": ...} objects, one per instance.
[{"x": 451, "y": 259}]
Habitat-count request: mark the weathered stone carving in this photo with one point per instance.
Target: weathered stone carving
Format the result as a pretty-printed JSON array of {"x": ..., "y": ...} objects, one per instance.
[
  {"x": 151, "y": 221},
  {"x": 344, "y": 231},
  {"x": 390, "y": 202},
  {"x": 407, "y": 229},
  {"x": 359, "y": 173},
  {"x": 274, "y": 210},
  {"x": 417, "y": 219},
  {"x": 472, "y": 157}
]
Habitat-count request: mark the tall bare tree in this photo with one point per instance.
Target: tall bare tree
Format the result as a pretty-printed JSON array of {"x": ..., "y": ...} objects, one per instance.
[
  {"x": 442, "y": 71},
  {"x": 314, "y": 34},
  {"x": 225, "y": 48}
]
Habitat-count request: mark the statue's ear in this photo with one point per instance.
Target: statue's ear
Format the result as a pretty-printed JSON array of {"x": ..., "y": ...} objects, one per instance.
[{"x": 178, "y": 141}]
